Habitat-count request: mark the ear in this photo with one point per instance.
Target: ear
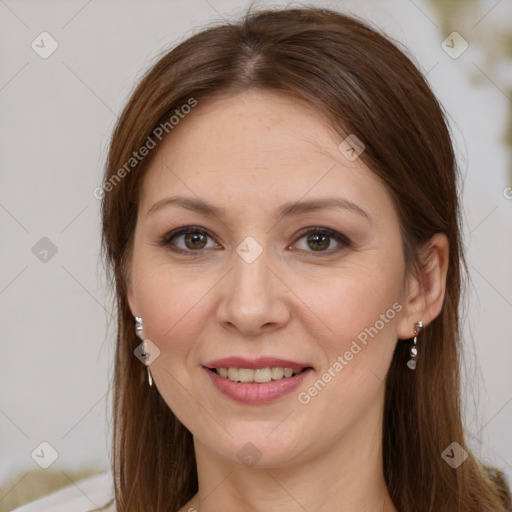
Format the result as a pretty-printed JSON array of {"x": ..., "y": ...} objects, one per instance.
[
  {"x": 424, "y": 294},
  {"x": 131, "y": 300}
]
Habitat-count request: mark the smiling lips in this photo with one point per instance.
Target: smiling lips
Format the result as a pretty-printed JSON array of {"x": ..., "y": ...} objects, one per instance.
[{"x": 256, "y": 381}]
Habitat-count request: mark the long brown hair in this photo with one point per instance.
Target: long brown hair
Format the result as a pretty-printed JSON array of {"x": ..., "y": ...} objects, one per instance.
[{"x": 364, "y": 85}]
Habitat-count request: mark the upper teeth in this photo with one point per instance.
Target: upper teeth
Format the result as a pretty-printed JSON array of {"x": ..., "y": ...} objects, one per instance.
[{"x": 256, "y": 375}]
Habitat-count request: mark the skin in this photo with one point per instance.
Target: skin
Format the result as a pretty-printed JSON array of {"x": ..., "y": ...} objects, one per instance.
[{"x": 249, "y": 154}]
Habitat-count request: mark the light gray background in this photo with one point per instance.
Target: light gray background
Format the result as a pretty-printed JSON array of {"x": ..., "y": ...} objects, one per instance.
[{"x": 57, "y": 115}]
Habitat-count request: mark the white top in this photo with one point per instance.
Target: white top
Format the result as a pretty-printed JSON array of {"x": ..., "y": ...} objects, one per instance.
[{"x": 85, "y": 495}]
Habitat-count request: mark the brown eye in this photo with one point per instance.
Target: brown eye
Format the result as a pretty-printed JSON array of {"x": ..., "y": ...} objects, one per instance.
[
  {"x": 188, "y": 240},
  {"x": 195, "y": 240},
  {"x": 318, "y": 242},
  {"x": 322, "y": 240}
]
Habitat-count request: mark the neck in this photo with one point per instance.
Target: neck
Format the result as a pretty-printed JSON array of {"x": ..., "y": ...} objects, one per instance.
[{"x": 349, "y": 475}]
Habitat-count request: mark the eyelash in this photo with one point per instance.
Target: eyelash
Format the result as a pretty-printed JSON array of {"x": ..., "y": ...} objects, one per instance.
[{"x": 342, "y": 240}]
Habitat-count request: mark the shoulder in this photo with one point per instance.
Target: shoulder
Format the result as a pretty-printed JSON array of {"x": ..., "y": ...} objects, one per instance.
[{"x": 85, "y": 496}]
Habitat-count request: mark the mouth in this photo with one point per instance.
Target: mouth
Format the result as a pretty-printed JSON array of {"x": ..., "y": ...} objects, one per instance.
[{"x": 257, "y": 381}]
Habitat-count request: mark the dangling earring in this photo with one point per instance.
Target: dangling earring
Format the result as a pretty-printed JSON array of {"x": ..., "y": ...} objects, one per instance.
[
  {"x": 413, "y": 351},
  {"x": 145, "y": 353}
]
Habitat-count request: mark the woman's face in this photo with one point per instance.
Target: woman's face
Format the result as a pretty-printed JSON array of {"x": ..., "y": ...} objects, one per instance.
[{"x": 252, "y": 177}]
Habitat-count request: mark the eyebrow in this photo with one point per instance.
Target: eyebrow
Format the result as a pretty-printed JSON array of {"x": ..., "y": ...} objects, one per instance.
[{"x": 286, "y": 210}]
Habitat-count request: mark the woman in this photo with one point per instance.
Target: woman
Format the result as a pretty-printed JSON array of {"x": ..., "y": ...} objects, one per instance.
[{"x": 281, "y": 222}]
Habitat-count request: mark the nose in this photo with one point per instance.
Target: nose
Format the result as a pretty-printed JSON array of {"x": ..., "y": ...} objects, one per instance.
[{"x": 254, "y": 300}]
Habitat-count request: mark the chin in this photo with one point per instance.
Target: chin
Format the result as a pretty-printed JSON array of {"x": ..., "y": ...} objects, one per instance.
[{"x": 257, "y": 448}]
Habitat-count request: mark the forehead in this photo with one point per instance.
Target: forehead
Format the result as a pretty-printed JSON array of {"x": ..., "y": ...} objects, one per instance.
[
  {"x": 261, "y": 146},
  {"x": 253, "y": 127}
]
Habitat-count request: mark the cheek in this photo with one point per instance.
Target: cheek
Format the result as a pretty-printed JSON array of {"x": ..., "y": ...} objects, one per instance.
[
  {"x": 363, "y": 314},
  {"x": 174, "y": 306},
  {"x": 174, "y": 311},
  {"x": 356, "y": 329},
  {"x": 350, "y": 304}
]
